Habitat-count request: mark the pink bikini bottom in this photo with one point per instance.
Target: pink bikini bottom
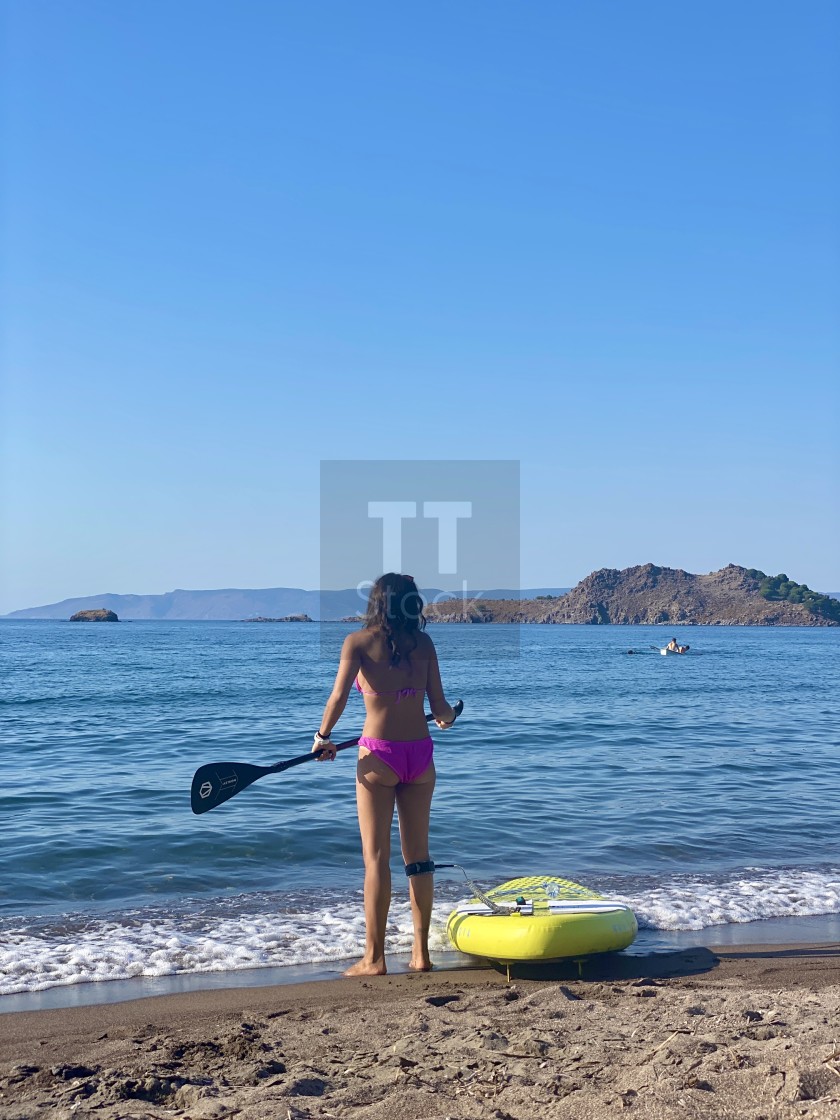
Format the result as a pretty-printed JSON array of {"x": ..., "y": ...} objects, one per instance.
[{"x": 408, "y": 759}]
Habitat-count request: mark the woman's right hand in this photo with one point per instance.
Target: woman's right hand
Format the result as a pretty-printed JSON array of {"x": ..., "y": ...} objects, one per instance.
[{"x": 324, "y": 748}]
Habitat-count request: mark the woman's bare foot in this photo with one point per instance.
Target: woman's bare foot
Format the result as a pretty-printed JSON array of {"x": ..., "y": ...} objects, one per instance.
[
  {"x": 367, "y": 968},
  {"x": 421, "y": 965}
]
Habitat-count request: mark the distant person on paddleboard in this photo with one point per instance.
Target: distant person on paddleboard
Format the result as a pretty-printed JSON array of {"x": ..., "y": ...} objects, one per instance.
[
  {"x": 394, "y": 666},
  {"x": 674, "y": 647}
]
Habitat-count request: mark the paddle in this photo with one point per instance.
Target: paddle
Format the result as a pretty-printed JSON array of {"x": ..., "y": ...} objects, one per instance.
[{"x": 217, "y": 782}]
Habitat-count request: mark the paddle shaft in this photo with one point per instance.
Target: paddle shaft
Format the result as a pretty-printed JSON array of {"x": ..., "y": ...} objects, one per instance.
[
  {"x": 279, "y": 767},
  {"x": 217, "y": 782}
]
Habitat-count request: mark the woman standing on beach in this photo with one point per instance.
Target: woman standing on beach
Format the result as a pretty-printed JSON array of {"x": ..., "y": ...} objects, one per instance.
[{"x": 394, "y": 665}]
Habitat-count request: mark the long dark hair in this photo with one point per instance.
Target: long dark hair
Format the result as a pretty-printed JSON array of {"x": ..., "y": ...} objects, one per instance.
[{"x": 395, "y": 607}]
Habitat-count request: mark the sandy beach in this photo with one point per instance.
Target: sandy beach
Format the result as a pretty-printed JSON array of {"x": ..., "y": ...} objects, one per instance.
[{"x": 747, "y": 1034}]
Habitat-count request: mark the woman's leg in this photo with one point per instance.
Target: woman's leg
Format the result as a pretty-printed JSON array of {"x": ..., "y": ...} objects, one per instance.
[
  {"x": 414, "y": 803},
  {"x": 375, "y": 792}
]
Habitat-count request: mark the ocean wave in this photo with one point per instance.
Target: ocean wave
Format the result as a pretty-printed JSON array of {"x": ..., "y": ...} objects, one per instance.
[
  {"x": 749, "y": 896},
  {"x": 261, "y": 931}
]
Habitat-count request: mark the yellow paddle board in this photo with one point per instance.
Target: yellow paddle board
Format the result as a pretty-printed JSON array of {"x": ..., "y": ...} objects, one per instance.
[{"x": 543, "y": 918}]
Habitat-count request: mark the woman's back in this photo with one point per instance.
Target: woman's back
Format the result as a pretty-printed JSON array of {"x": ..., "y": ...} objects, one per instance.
[{"x": 394, "y": 694}]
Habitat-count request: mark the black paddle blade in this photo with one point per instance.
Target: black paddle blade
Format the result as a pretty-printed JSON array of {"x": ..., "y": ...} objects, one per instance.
[{"x": 217, "y": 782}]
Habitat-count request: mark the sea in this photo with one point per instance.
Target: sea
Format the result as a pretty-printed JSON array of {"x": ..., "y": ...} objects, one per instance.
[{"x": 702, "y": 790}]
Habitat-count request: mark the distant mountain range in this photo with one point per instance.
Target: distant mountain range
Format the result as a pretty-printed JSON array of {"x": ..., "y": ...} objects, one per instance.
[{"x": 232, "y": 603}]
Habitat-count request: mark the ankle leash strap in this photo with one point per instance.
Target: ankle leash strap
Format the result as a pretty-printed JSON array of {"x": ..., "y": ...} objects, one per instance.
[{"x": 426, "y": 867}]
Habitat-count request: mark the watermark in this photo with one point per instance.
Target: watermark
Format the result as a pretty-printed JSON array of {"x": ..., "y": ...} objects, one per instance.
[{"x": 451, "y": 524}]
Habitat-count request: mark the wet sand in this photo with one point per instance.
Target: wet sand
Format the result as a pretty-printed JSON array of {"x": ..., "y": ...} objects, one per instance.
[{"x": 749, "y": 1033}]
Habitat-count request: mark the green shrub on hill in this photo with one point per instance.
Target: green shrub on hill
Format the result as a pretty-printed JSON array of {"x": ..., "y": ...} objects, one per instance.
[{"x": 781, "y": 589}]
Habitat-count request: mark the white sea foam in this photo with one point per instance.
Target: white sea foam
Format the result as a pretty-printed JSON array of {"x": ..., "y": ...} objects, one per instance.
[
  {"x": 257, "y": 932},
  {"x": 749, "y": 896},
  {"x": 166, "y": 946}
]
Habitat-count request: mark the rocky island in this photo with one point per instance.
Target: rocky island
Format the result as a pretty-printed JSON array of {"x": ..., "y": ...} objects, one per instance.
[
  {"x": 100, "y": 615},
  {"x": 649, "y": 595},
  {"x": 287, "y": 618}
]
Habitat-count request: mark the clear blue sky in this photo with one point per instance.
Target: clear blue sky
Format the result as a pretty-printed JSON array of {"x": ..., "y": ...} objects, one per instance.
[{"x": 601, "y": 238}]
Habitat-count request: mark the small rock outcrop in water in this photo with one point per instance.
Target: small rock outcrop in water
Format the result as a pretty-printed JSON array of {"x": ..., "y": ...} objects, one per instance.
[
  {"x": 100, "y": 615},
  {"x": 648, "y": 595}
]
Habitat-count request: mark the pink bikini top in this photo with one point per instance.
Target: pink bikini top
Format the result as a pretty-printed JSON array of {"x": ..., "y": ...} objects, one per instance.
[{"x": 400, "y": 693}]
